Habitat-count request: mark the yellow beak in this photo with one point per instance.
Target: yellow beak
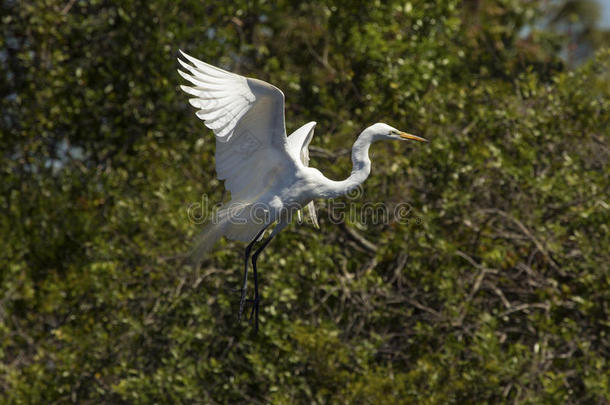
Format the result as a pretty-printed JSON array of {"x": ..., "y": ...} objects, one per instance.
[{"x": 404, "y": 135}]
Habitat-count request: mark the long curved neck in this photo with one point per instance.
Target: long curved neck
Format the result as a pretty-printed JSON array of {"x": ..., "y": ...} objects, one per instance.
[{"x": 360, "y": 170}]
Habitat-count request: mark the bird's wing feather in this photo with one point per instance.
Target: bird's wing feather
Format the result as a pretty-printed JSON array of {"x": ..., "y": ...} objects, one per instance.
[
  {"x": 247, "y": 117},
  {"x": 298, "y": 147},
  {"x": 298, "y": 142}
]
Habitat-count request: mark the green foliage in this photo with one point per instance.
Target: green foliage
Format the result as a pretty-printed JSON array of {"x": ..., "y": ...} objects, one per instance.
[{"x": 496, "y": 290}]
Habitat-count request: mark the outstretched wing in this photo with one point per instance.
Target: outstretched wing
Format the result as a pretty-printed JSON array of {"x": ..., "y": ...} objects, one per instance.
[
  {"x": 298, "y": 147},
  {"x": 247, "y": 117}
]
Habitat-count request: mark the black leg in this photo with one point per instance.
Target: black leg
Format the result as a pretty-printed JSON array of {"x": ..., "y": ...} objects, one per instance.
[
  {"x": 244, "y": 287},
  {"x": 256, "y": 299}
]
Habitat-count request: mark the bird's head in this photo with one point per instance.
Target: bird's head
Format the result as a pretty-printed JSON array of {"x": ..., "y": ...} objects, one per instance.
[{"x": 381, "y": 131}]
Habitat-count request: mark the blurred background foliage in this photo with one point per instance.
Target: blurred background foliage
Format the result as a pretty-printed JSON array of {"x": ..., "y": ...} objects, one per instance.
[{"x": 494, "y": 290}]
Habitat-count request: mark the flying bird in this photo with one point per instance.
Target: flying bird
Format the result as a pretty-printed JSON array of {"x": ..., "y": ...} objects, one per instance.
[{"x": 266, "y": 171}]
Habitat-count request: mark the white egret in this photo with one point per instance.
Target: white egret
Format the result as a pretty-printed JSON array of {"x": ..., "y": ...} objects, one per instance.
[{"x": 265, "y": 171}]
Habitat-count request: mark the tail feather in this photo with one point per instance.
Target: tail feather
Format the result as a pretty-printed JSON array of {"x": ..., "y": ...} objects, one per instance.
[
  {"x": 236, "y": 226},
  {"x": 205, "y": 242}
]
